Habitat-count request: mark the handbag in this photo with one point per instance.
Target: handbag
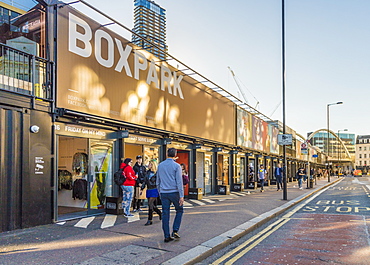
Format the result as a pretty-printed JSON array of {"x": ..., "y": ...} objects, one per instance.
[{"x": 140, "y": 194}]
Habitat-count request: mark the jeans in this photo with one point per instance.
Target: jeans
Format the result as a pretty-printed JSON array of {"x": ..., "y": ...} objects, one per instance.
[
  {"x": 300, "y": 182},
  {"x": 128, "y": 193},
  {"x": 262, "y": 183},
  {"x": 279, "y": 182},
  {"x": 167, "y": 198}
]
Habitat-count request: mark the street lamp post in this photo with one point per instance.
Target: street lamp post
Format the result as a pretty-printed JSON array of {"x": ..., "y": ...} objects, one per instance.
[
  {"x": 340, "y": 151},
  {"x": 327, "y": 138}
]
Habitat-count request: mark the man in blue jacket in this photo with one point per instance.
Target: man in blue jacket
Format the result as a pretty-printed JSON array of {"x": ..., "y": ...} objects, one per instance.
[
  {"x": 279, "y": 177},
  {"x": 171, "y": 190}
]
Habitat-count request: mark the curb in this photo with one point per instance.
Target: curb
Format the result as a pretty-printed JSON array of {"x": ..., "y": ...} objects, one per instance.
[{"x": 217, "y": 243}]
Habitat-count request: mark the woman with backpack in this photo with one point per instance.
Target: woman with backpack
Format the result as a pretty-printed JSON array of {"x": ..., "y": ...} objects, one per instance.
[
  {"x": 128, "y": 186},
  {"x": 151, "y": 191}
]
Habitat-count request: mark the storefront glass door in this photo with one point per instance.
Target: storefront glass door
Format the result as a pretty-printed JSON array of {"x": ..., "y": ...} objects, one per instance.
[
  {"x": 84, "y": 176},
  {"x": 100, "y": 180}
]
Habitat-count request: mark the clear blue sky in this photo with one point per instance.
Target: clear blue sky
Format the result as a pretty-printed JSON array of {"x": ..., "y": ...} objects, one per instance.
[{"x": 327, "y": 53}]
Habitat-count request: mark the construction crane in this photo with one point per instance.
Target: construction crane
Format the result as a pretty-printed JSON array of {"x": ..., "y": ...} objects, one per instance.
[{"x": 241, "y": 90}]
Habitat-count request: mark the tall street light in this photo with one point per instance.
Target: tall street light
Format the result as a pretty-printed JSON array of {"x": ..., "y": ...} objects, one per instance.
[
  {"x": 340, "y": 150},
  {"x": 327, "y": 137}
]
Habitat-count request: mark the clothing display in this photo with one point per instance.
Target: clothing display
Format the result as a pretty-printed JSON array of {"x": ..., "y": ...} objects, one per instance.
[
  {"x": 64, "y": 179},
  {"x": 79, "y": 189},
  {"x": 79, "y": 163}
]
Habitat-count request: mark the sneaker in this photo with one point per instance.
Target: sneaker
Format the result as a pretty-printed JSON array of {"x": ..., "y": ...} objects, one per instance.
[
  {"x": 130, "y": 215},
  {"x": 134, "y": 210},
  {"x": 300, "y": 188},
  {"x": 139, "y": 210},
  {"x": 175, "y": 235},
  {"x": 168, "y": 239}
]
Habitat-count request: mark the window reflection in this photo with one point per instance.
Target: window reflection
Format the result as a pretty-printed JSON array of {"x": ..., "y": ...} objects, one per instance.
[{"x": 22, "y": 26}]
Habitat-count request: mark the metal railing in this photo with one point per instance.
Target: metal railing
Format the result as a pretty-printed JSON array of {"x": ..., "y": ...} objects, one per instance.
[{"x": 25, "y": 73}]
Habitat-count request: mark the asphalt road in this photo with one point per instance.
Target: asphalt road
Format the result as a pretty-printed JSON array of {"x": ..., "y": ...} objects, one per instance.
[{"x": 331, "y": 227}]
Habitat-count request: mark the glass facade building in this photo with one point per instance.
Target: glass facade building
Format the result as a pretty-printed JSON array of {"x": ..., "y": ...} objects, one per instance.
[
  {"x": 336, "y": 151},
  {"x": 150, "y": 24}
]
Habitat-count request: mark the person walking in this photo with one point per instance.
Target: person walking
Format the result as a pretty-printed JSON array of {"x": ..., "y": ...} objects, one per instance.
[
  {"x": 300, "y": 176},
  {"x": 140, "y": 171},
  {"x": 279, "y": 177},
  {"x": 151, "y": 192},
  {"x": 171, "y": 190},
  {"x": 262, "y": 174},
  {"x": 128, "y": 186}
]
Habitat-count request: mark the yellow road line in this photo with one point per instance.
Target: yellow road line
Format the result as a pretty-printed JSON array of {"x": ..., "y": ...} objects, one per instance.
[
  {"x": 242, "y": 253},
  {"x": 255, "y": 237},
  {"x": 268, "y": 230}
]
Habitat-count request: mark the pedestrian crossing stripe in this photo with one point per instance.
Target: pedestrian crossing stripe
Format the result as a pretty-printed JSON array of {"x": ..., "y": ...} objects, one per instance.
[
  {"x": 134, "y": 218},
  {"x": 208, "y": 200},
  {"x": 198, "y": 202},
  {"x": 187, "y": 204},
  {"x": 84, "y": 222},
  {"x": 109, "y": 221}
]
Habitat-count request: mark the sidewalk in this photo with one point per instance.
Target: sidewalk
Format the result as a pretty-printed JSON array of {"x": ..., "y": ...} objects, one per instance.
[{"x": 208, "y": 225}]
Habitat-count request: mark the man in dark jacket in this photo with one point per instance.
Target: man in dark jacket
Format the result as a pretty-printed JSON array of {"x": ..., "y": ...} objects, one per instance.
[{"x": 140, "y": 171}]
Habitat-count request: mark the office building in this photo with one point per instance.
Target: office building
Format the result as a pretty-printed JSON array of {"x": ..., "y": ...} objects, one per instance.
[
  {"x": 363, "y": 153},
  {"x": 150, "y": 24}
]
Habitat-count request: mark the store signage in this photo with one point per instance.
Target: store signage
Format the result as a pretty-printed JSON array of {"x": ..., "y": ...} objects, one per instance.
[
  {"x": 207, "y": 149},
  {"x": 285, "y": 139},
  {"x": 78, "y": 130},
  {"x": 39, "y": 165},
  {"x": 217, "y": 149},
  {"x": 140, "y": 139},
  {"x": 118, "y": 134},
  {"x": 315, "y": 156},
  {"x": 162, "y": 79}
]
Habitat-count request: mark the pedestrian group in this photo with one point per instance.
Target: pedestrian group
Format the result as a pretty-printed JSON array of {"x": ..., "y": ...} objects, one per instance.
[{"x": 163, "y": 182}]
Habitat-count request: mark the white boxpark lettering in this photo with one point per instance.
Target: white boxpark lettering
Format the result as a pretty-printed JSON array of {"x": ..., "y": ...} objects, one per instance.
[{"x": 167, "y": 79}]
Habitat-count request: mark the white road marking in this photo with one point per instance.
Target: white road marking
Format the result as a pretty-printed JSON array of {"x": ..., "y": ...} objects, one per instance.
[
  {"x": 134, "y": 218},
  {"x": 109, "y": 221},
  {"x": 61, "y": 223},
  {"x": 187, "y": 204},
  {"x": 208, "y": 200},
  {"x": 84, "y": 222},
  {"x": 198, "y": 202},
  {"x": 238, "y": 193}
]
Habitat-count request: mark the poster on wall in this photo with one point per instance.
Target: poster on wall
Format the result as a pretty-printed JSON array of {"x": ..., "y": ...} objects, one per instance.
[
  {"x": 244, "y": 129},
  {"x": 273, "y": 133},
  {"x": 102, "y": 73},
  {"x": 298, "y": 149},
  {"x": 257, "y": 133}
]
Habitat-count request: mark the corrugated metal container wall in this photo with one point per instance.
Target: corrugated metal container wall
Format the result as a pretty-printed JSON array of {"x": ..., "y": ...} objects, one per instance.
[{"x": 12, "y": 123}]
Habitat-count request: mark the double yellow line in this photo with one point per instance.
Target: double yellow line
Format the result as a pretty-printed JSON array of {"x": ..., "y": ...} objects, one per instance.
[
  {"x": 250, "y": 243},
  {"x": 241, "y": 250}
]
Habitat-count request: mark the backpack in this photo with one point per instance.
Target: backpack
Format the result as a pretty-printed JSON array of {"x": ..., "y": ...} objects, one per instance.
[{"x": 119, "y": 176}]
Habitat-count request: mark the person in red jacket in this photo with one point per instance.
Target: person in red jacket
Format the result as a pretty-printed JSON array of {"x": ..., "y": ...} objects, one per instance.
[{"x": 128, "y": 186}]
